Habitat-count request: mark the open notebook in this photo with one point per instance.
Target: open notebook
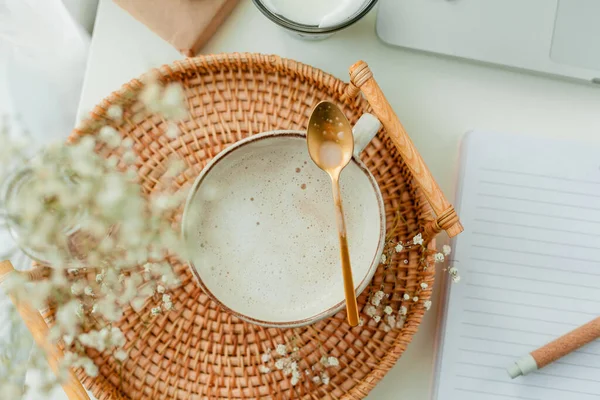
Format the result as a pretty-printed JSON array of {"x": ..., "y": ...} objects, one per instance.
[{"x": 529, "y": 260}]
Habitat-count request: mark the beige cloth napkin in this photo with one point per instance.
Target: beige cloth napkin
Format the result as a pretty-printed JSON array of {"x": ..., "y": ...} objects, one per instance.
[{"x": 186, "y": 24}]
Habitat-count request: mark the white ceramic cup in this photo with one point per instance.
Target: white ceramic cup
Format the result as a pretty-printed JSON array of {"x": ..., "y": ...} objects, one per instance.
[{"x": 260, "y": 217}]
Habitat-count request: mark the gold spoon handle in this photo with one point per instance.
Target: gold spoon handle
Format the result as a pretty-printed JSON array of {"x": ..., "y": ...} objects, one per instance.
[{"x": 351, "y": 306}]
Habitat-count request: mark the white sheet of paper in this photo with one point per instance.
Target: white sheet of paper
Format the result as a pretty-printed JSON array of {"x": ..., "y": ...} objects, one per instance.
[{"x": 530, "y": 265}]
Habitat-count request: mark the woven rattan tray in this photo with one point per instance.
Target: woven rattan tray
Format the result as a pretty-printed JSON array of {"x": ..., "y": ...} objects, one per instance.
[{"x": 201, "y": 352}]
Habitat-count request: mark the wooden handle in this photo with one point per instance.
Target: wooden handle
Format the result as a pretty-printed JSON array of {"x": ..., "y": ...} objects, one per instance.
[
  {"x": 40, "y": 332},
  {"x": 349, "y": 292},
  {"x": 361, "y": 77}
]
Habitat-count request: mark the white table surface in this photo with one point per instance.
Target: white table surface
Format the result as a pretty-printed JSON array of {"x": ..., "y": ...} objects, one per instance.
[{"x": 438, "y": 99}]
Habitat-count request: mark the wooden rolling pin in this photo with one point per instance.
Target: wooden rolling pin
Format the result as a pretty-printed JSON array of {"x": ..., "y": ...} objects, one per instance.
[
  {"x": 40, "y": 332},
  {"x": 362, "y": 79}
]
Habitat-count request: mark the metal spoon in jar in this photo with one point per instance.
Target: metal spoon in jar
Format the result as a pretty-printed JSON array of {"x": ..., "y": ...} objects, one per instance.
[{"x": 330, "y": 145}]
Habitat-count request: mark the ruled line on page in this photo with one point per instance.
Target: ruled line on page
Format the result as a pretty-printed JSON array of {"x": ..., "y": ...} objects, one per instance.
[
  {"x": 521, "y": 383},
  {"x": 514, "y": 303},
  {"x": 503, "y": 328},
  {"x": 570, "y": 271},
  {"x": 538, "y": 201},
  {"x": 543, "y": 228},
  {"x": 553, "y": 190},
  {"x": 517, "y": 356},
  {"x": 523, "y": 278},
  {"x": 517, "y": 317},
  {"x": 506, "y": 396},
  {"x": 534, "y": 214},
  {"x": 543, "y": 373},
  {"x": 533, "y": 253},
  {"x": 521, "y": 238},
  {"x": 538, "y": 175},
  {"x": 529, "y": 345},
  {"x": 530, "y": 292}
]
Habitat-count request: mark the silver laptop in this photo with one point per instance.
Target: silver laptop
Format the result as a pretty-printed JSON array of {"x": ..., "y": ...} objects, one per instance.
[{"x": 560, "y": 37}]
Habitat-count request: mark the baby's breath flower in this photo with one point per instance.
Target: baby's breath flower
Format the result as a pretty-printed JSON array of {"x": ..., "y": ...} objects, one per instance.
[
  {"x": 424, "y": 285},
  {"x": 456, "y": 278},
  {"x": 361, "y": 322},
  {"x": 383, "y": 258},
  {"x": 168, "y": 306},
  {"x": 99, "y": 278},
  {"x": 166, "y": 298},
  {"x": 370, "y": 311},
  {"x": 406, "y": 296},
  {"x": 427, "y": 304},
  {"x": 279, "y": 364},
  {"x": 263, "y": 369},
  {"x": 160, "y": 289},
  {"x": 391, "y": 320},
  {"x": 316, "y": 379},
  {"x": 155, "y": 311},
  {"x": 266, "y": 357},
  {"x": 377, "y": 318},
  {"x": 110, "y": 136},
  {"x": 452, "y": 271},
  {"x": 88, "y": 291},
  {"x": 121, "y": 355},
  {"x": 438, "y": 258},
  {"x": 418, "y": 239},
  {"x": 325, "y": 378},
  {"x": 415, "y": 299},
  {"x": 115, "y": 112},
  {"x": 377, "y": 297},
  {"x": 333, "y": 361},
  {"x": 446, "y": 250},
  {"x": 172, "y": 130},
  {"x": 387, "y": 310},
  {"x": 281, "y": 349},
  {"x": 403, "y": 310}
]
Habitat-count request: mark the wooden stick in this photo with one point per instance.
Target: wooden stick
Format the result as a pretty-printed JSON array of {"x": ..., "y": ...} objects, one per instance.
[
  {"x": 40, "y": 332},
  {"x": 362, "y": 78}
]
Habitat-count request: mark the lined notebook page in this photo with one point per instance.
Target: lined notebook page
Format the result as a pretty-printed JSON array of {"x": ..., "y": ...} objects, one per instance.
[{"x": 529, "y": 260}]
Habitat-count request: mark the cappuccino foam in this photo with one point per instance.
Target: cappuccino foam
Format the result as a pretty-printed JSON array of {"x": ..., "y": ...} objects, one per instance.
[{"x": 263, "y": 227}]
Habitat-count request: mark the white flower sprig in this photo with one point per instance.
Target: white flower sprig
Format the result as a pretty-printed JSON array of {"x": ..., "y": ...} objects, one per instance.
[{"x": 106, "y": 239}]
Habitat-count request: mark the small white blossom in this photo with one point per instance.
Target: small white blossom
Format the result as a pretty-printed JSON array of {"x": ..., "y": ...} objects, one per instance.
[
  {"x": 325, "y": 378},
  {"x": 172, "y": 131},
  {"x": 415, "y": 299},
  {"x": 391, "y": 320},
  {"x": 110, "y": 136},
  {"x": 453, "y": 271},
  {"x": 403, "y": 310},
  {"x": 427, "y": 304},
  {"x": 377, "y": 318},
  {"x": 266, "y": 357},
  {"x": 88, "y": 291},
  {"x": 99, "y": 278},
  {"x": 168, "y": 306},
  {"x": 387, "y": 310},
  {"x": 424, "y": 285},
  {"x": 281, "y": 349},
  {"x": 155, "y": 311},
  {"x": 400, "y": 323},
  {"x": 399, "y": 248},
  {"x": 121, "y": 355},
  {"x": 115, "y": 112},
  {"x": 166, "y": 298},
  {"x": 446, "y": 250},
  {"x": 316, "y": 379},
  {"x": 361, "y": 322},
  {"x": 333, "y": 362},
  {"x": 279, "y": 364},
  {"x": 377, "y": 297},
  {"x": 456, "y": 278},
  {"x": 263, "y": 369},
  {"x": 160, "y": 289},
  {"x": 370, "y": 311},
  {"x": 406, "y": 296},
  {"x": 418, "y": 239},
  {"x": 438, "y": 258},
  {"x": 383, "y": 258}
]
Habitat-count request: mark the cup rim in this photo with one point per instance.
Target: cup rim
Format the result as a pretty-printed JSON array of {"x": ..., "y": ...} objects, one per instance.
[
  {"x": 317, "y": 317},
  {"x": 313, "y": 29}
]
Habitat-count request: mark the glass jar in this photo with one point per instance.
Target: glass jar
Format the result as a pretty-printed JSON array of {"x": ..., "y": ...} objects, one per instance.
[{"x": 314, "y": 22}]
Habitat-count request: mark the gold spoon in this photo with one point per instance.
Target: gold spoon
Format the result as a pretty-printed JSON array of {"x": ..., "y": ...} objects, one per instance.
[{"x": 330, "y": 145}]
